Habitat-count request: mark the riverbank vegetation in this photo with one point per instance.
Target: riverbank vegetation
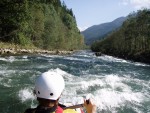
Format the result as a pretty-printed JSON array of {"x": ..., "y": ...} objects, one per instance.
[
  {"x": 131, "y": 41},
  {"x": 43, "y": 24}
]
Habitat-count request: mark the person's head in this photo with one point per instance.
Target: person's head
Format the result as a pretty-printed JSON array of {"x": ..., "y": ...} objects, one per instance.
[{"x": 48, "y": 88}]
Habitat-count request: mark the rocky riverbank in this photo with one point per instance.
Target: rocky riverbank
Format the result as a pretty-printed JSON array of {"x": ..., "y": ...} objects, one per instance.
[{"x": 12, "y": 51}]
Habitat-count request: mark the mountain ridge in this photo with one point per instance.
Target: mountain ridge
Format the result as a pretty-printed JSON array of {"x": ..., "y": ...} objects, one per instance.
[{"x": 97, "y": 32}]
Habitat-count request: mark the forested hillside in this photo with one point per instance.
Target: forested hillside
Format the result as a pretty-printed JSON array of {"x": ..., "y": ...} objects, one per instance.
[
  {"x": 131, "y": 41},
  {"x": 46, "y": 24}
]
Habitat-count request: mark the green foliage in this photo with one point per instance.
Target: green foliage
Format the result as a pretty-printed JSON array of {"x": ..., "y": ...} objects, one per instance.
[
  {"x": 46, "y": 24},
  {"x": 22, "y": 40},
  {"x": 13, "y": 17},
  {"x": 131, "y": 41}
]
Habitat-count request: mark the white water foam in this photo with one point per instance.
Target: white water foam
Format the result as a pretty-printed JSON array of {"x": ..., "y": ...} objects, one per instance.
[
  {"x": 111, "y": 92},
  {"x": 8, "y": 59},
  {"x": 112, "y": 59},
  {"x": 62, "y": 65},
  {"x": 109, "y": 98},
  {"x": 26, "y": 94},
  {"x": 66, "y": 76},
  {"x": 3, "y": 59},
  {"x": 51, "y": 56},
  {"x": 88, "y": 55},
  {"x": 77, "y": 59},
  {"x": 140, "y": 64},
  {"x": 7, "y": 73},
  {"x": 25, "y": 57},
  {"x": 6, "y": 84},
  {"x": 11, "y": 59}
]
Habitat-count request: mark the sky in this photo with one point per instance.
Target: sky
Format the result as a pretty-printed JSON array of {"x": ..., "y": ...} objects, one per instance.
[{"x": 95, "y": 12}]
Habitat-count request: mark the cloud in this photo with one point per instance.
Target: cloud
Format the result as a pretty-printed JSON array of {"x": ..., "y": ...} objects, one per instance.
[
  {"x": 140, "y": 3},
  {"x": 137, "y": 4}
]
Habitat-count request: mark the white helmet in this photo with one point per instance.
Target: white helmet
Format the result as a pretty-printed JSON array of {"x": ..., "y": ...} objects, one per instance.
[{"x": 49, "y": 85}]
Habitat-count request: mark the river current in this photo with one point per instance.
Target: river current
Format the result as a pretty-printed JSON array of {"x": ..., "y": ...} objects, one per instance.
[{"x": 117, "y": 85}]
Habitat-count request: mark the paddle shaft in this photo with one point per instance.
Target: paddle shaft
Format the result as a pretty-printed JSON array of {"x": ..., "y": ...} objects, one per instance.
[{"x": 74, "y": 106}]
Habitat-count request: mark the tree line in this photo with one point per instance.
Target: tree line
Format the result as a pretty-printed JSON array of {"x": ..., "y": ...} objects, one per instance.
[
  {"x": 131, "y": 41},
  {"x": 46, "y": 24}
]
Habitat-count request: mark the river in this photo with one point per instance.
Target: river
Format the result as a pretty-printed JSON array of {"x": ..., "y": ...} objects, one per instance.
[{"x": 117, "y": 85}]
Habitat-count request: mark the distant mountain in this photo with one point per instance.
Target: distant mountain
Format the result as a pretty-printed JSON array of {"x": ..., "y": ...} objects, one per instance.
[{"x": 97, "y": 32}]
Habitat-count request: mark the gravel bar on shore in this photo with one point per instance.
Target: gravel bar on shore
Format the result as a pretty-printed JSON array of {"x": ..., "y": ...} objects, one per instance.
[{"x": 33, "y": 51}]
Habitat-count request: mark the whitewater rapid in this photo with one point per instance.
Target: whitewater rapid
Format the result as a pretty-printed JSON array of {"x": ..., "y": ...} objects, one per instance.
[{"x": 116, "y": 85}]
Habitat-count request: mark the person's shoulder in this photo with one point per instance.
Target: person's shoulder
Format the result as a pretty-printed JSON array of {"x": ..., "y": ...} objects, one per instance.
[
  {"x": 59, "y": 109},
  {"x": 30, "y": 110}
]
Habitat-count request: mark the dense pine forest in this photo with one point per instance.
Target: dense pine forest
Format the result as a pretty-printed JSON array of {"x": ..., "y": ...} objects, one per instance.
[
  {"x": 45, "y": 24},
  {"x": 131, "y": 41}
]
